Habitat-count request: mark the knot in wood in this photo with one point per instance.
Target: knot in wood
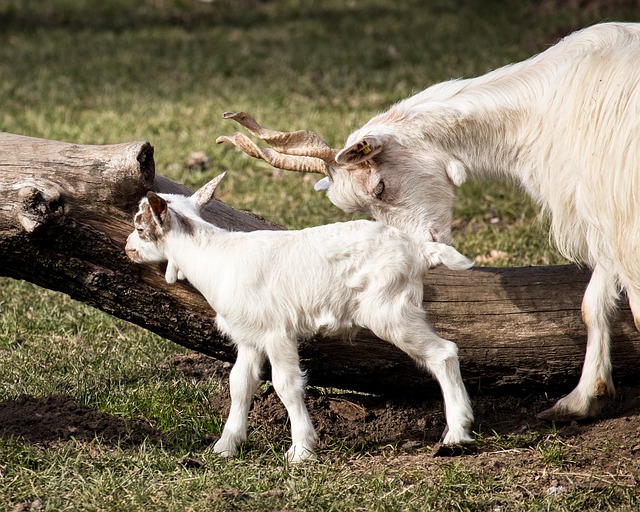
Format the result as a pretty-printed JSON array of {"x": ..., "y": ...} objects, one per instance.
[{"x": 41, "y": 204}]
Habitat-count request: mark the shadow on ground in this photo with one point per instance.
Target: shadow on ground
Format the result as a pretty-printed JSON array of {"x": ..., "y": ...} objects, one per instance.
[{"x": 59, "y": 418}]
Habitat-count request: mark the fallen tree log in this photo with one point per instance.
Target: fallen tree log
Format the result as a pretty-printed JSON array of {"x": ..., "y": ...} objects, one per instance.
[{"x": 66, "y": 212}]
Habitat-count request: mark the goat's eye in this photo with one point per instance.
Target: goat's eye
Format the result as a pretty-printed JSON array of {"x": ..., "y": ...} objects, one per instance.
[
  {"x": 140, "y": 230},
  {"x": 379, "y": 189}
]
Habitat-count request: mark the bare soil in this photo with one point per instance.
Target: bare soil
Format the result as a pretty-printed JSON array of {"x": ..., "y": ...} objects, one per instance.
[
  {"x": 59, "y": 418},
  {"x": 403, "y": 434},
  {"x": 396, "y": 432}
]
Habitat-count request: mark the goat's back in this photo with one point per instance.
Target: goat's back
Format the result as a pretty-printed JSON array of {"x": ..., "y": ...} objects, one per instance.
[{"x": 317, "y": 279}]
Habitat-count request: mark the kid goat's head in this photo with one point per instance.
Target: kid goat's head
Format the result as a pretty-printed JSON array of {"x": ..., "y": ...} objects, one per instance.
[
  {"x": 385, "y": 173},
  {"x": 159, "y": 215}
]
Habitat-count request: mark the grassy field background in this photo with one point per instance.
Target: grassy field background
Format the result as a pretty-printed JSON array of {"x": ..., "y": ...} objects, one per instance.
[{"x": 164, "y": 71}]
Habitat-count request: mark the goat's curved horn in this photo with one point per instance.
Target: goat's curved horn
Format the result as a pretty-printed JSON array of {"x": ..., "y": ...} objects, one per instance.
[
  {"x": 276, "y": 159},
  {"x": 298, "y": 143}
]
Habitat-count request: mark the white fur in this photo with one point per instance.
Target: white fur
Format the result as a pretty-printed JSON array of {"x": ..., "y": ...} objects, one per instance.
[
  {"x": 565, "y": 125},
  {"x": 272, "y": 288}
]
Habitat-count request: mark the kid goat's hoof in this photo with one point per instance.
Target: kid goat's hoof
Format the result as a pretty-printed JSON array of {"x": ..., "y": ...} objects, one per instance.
[
  {"x": 297, "y": 454},
  {"x": 223, "y": 449}
]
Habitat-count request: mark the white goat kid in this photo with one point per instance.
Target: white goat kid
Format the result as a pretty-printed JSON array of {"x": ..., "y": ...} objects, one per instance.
[
  {"x": 271, "y": 288},
  {"x": 564, "y": 124}
]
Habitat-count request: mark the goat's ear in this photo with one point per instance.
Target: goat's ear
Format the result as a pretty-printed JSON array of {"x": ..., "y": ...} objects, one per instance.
[
  {"x": 456, "y": 172},
  {"x": 365, "y": 149},
  {"x": 323, "y": 184},
  {"x": 452, "y": 259},
  {"x": 204, "y": 194},
  {"x": 158, "y": 206}
]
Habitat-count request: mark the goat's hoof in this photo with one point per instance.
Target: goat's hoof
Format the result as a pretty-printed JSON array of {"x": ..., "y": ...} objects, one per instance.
[
  {"x": 580, "y": 403},
  {"x": 297, "y": 454},
  {"x": 223, "y": 449},
  {"x": 453, "y": 450},
  {"x": 559, "y": 413},
  {"x": 225, "y": 454}
]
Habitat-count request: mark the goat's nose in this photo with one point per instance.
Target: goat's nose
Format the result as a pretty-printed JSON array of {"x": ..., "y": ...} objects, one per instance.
[{"x": 130, "y": 251}]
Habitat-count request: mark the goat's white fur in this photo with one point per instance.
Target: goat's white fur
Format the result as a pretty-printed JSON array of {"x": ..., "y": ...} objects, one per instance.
[
  {"x": 565, "y": 125},
  {"x": 271, "y": 288}
]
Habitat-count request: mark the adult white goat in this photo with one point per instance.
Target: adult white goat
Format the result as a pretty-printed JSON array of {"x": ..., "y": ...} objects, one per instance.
[
  {"x": 271, "y": 288},
  {"x": 564, "y": 124}
]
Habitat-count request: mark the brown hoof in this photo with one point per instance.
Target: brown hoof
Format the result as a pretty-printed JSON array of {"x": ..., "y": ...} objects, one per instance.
[{"x": 559, "y": 415}]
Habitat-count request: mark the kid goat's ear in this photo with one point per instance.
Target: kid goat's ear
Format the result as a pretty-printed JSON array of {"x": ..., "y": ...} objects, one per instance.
[
  {"x": 204, "y": 194},
  {"x": 158, "y": 206}
]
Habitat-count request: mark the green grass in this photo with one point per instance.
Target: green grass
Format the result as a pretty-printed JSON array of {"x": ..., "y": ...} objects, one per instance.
[{"x": 164, "y": 71}]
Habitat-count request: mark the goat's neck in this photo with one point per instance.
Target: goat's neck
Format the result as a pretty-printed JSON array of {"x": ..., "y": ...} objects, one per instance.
[
  {"x": 489, "y": 144},
  {"x": 193, "y": 252},
  {"x": 490, "y": 123}
]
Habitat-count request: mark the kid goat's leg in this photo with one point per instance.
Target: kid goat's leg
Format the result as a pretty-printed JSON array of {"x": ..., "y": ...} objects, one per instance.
[
  {"x": 440, "y": 358},
  {"x": 288, "y": 381},
  {"x": 243, "y": 383}
]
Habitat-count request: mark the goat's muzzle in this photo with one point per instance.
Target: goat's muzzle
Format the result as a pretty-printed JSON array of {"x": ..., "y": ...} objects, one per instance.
[{"x": 131, "y": 251}]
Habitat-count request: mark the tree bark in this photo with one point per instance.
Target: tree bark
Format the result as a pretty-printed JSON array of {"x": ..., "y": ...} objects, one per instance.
[{"x": 67, "y": 210}]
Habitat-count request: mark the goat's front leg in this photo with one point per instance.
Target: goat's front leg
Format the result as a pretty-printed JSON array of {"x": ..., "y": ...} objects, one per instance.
[
  {"x": 595, "y": 383},
  {"x": 243, "y": 383},
  {"x": 288, "y": 381},
  {"x": 173, "y": 273}
]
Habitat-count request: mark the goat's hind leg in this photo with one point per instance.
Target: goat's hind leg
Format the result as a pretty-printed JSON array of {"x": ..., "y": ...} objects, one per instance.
[
  {"x": 243, "y": 383},
  {"x": 442, "y": 361},
  {"x": 596, "y": 382},
  {"x": 440, "y": 358}
]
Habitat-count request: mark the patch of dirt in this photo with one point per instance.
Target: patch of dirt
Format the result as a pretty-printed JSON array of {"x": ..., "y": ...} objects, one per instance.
[
  {"x": 398, "y": 433},
  {"x": 60, "y": 418},
  {"x": 590, "y": 453},
  {"x": 199, "y": 367}
]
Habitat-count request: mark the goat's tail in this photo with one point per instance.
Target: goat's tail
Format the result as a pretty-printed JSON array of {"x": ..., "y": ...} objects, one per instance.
[{"x": 436, "y": 253}]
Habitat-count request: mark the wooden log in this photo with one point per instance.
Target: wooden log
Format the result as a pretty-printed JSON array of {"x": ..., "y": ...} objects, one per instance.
[{"x": 66, "y": 212}]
